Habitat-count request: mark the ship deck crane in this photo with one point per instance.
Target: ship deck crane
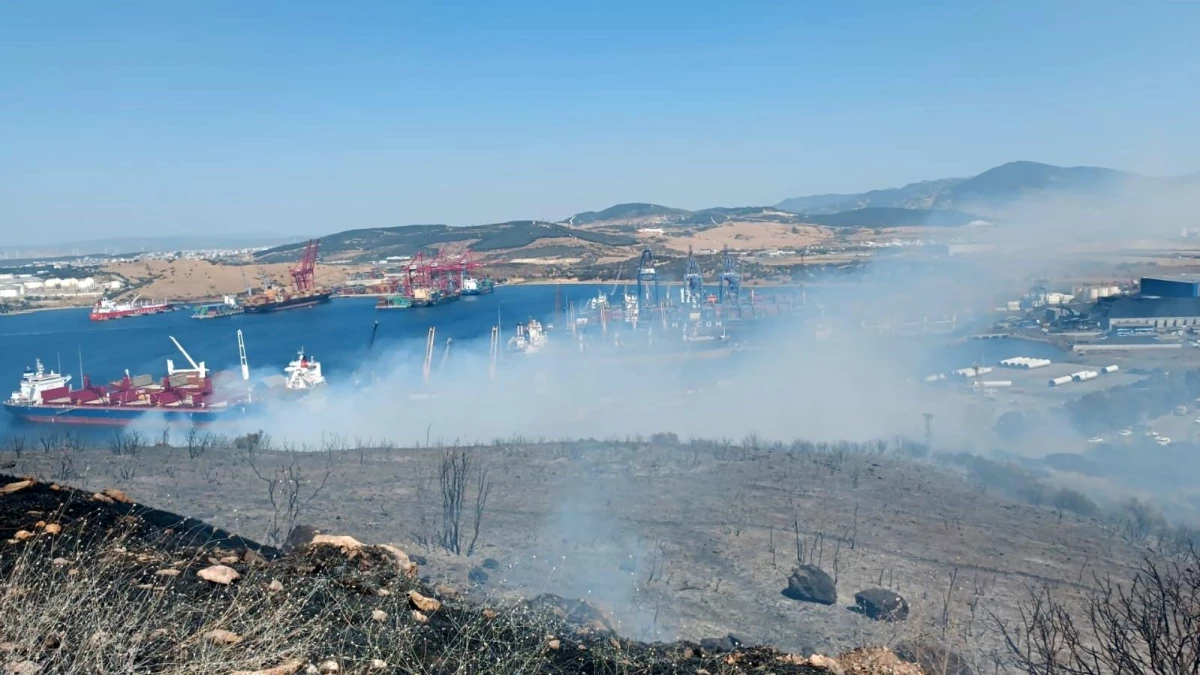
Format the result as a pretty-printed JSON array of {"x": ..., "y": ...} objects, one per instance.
[
  {"x": 197, "y": 368},
  {"x": 428, "y": 354}
]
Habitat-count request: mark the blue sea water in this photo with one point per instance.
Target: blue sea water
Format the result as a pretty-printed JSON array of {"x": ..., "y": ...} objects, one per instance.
[{"x": 337, "y": 333}]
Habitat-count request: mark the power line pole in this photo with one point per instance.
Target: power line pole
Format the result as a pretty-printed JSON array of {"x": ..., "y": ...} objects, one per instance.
[{"x": 928, "y": 430}]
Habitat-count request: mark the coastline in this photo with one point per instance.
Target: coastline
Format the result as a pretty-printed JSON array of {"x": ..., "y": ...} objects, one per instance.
[{"x": 37, "y": 310}]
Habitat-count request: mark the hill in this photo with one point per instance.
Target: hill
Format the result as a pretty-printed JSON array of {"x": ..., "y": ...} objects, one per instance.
[
  {"x": 408, "y": 240},
  {"x": 97, "y": 583},
  {"x": 630, "y": 211},
  {"x": 884, "y": 217},
  {"x": 994, "y": 188}
]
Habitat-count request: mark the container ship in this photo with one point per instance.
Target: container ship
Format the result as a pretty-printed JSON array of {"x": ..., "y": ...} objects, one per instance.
[
  {"x": 183, "y": 395},
  {"x": 105, "y": 309},
  {"x": 216, "y": 310},
  {"x": 305, "y": 292},
  {"x": 394, "y": 302}
]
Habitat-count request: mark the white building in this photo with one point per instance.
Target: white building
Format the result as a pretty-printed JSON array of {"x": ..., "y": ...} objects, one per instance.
[{"x": 11, "y": 292}]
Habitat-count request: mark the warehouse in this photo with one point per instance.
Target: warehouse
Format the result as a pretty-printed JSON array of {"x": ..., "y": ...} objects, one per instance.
[
  {"x": 1181, "y": 287},
  {"x": 1158, "y": 313}
]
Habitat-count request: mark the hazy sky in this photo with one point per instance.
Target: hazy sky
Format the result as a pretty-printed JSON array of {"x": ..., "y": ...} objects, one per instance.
[{"x": 304, "y": 117}]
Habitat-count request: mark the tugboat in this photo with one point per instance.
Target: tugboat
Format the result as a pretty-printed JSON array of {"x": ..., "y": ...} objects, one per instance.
[{"x": 303, "y": 374}]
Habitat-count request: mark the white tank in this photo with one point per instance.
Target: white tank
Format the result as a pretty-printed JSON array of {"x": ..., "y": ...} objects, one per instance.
[{"x": 1093, "y": 294}]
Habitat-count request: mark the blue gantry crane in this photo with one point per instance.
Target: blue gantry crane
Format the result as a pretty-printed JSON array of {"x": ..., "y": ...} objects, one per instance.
[
  {"x": 693, "y": 281},
  {"x": 731, "y": 279},
  {"x": 647, "y": 280}
]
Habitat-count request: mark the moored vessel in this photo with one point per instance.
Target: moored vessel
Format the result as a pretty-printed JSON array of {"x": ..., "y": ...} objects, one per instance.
[
  {"x": 395, "y": 301},
  {"x": 106, "y": 309},
  {"x": 303, "y": 374},
  {"x": 190, "y": 395},
  {"x": 216, "y": 310}
]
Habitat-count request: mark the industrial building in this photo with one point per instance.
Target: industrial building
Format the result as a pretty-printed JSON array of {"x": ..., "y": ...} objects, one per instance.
[
  {"x": 1150, "y": 313},
  {"x": 1181, "y": 287}
]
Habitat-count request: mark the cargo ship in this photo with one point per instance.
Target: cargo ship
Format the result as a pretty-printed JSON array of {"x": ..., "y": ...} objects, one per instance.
[
  {"x": 429, "y": 297},
  {"x": 304, "y": 291},
  {"x": 393, "y": 302},
  {"x": 184, "y": 395},
  {"x": 303, "y": 374},
  {"x": 105, "y": 309},
  {"x": 216, "y": 310},
  {"x": 275, "y": 300},
  {"x": 472, "y": 286}
]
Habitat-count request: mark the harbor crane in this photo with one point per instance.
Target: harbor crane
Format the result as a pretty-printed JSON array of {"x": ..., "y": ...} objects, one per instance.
[
  {"x": 731, "y": 279},
  {"x": 693, "y": 281},
  {"x": 647, "y": 279},
  {"x": 304, "y": 271}
]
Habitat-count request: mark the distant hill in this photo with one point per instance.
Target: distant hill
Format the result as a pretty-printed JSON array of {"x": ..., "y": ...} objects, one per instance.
[
  {"x": 624, "y": 212},
  {"x": 126, "y": 245},
  {"x": 883, "y": 216},
  {"x": 994, "y": 188},
  {"x": 380, "y": 242}
]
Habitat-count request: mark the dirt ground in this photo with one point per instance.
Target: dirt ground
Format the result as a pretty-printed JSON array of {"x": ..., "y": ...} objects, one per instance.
[
  {"x": 751, "y": 236},
  {"x": 195, "y": 279},
  {"x": 675, "y": 541}
]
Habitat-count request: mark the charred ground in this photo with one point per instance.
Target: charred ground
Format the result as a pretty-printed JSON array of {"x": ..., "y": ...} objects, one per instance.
[{"x": 671, "y": 540}]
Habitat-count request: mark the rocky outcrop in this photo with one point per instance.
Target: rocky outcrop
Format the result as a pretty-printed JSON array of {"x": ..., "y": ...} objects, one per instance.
[{"x": 809, "y": 583}]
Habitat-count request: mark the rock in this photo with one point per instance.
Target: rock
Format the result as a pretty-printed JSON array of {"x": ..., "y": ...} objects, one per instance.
[
  {"x": 477, "y": 575},
  {"x": 329, "y": 667},
  {"x": 383, "y": 593},
  {"x": 379, "y": 616},
  {"x": 299, "y": 537},
  {"x": 51, "y": 642},
  {"x": 881, "y": 604},
  {"x": 809, "y": 583},
  {"x": 275, "y": 586},
  {"x": 23, "y": 535},
  {"x": 253, "y": 558},
  {"x": 288, "y": 667},
  {"x": 13, "y": 488},
  {"x": 419, "y": 617},
  {"x": 168, "y": 572},
  {"x": 222, "y": 637},
  {"x": 820, "y": 663},
  {"x": 103, "y": 499},
  {"x": 404, "y": 564},
  {"x": 378, "y": 664},
  {"x": 229, "y": 559},
  {"x": 53, "y": 528},
  {"x": 310, "y": 669},
  {"x": 446, "y": 591},
  {"x": 347, "y": 544},
  {"x": 159, "y": 634},
  {"x": 720, "y": 645},
  {"x": 419, "y": 559},
  {"x": 489, "y": 614},
  {"x": 22, "y": 668},
  {"x": 219, "y": 574},
  {"x": 426, "y": 605},
  {"x": 491, "y": 564},
  {"x": 60, "y": 562},
  {"x": 117, "y": 495}
]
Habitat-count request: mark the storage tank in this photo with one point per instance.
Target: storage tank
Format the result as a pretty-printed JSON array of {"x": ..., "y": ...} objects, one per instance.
[
  {"x": 1113, "y": 290},
  {"x": 1110, "y": 369},
  {"x": 1093, "y": 294},
  {"x": 1060, "y": 381}
]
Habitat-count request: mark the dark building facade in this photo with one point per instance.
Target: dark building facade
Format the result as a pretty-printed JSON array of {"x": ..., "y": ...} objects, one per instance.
[
  {"x": 1170, "y": 288},
  {"x": 1156, "y": 313}
]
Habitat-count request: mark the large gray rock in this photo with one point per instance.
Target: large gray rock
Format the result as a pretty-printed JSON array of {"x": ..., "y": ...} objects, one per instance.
[
  {"x": 881, "y": 604},
  {"x": 810, "y": 583}
]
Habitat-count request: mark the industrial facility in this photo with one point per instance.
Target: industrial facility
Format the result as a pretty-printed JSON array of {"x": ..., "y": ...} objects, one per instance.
[{"x": 1160, "y": 305}]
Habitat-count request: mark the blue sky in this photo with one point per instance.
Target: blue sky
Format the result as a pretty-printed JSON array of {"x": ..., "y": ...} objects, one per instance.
[{"x": 301, "y": 117}]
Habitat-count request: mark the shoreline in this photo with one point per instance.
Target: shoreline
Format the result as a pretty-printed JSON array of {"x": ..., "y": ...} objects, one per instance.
[{"x": 38, "y": 310}]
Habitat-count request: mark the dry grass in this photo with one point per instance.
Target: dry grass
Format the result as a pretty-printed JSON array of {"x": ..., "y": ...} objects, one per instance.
[
  {"x": 750, "y": 236},
  {"x": 193, "y": 279},
  {"x": 117, "y": 592}
]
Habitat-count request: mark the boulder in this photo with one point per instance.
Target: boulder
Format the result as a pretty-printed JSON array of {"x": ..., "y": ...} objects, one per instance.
[
  {"x": 13, "y": 488},
  {"x": 117, "y": 495},
  {"x": 881, "y": 604},
  {"x": 219, "y": 574},
  {"x": 299, "y": 537},
  {"x": 422, "y": 603},
  {"x": 720, "y": 645},
  {"x": 286, "y": 668},
  {"x": 809, "y": 583},
  {"x": 222, "y": 637}
]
